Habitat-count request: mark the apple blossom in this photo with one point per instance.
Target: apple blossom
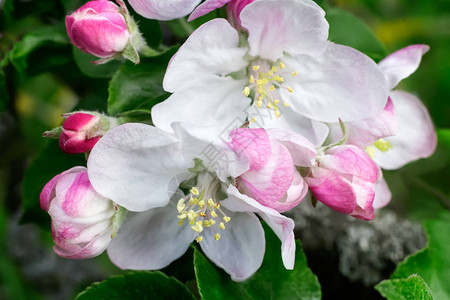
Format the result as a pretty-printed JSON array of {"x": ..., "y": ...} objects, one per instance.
[
  {"x": 105, "y": 30},
  {"x": 82, "y": 130},
  {"x": 286, "y": 67},
  {"x": 82, "y": 220},
  {"x": 141, "y": 167},
  {"x": 272, "y": 178},
  {"x": 344, "y": 179}
]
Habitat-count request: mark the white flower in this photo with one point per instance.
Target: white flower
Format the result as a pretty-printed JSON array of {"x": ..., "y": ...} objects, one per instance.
[
  {"x": 141, "y": 167},
  {"x": 286, "y": 68}
]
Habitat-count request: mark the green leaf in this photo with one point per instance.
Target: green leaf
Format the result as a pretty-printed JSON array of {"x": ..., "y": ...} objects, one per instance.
[
  {"x": 348, "y": 30},
  {"x": 138, "y": 86},
  {"x": 137, "y": 285},
  {"x": 444, "y": 138},
  {"x": 48, "y": 164},
  {"x": 412, "y": 288},
  {"x": 433, "y": 262},
  {"x": 54, "y": 35},
  {"x": 4, "y": 97},
  {"x": 271, "y": 281},
  {"x": 87, "y": 67}
]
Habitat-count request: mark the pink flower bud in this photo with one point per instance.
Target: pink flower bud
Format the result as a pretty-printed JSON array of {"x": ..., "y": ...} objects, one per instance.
[
  {"x": 80, "y": 132},
  {"x": 82, "y": 220},
  {"x": 98, "y": 28},
  {"x": 272, "y": 178},
  {"x": 344, "y": 179}
]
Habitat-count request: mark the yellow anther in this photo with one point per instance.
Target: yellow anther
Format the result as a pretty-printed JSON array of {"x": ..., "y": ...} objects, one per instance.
[
  {"x": 202, "y": 214},
  {"x": 290, "y": 90},
  {"x": 278, "y": 78},
  {"x": 201, "y": 204},
  {"x": 294, "y": 73},
  {"x": 192, "y": 215},
  {"x": 272, "y": 88},
  {"x": 193, "y": 201},
  {"x": 269, "y": 105},
  {"x": 213, "y": 214},
  {"x": 180, "y": 205},
  {"x": 276, "y": 101},
  {"x": 253, "y": 119},
  {"x": 246, "y": 91},
  {"x": 260, "y": 98},
  {"x": 226, "y": 219},
  {"x": 222, "y": 225},
  {"x": 194, "y": 191},
  {"x": 282, "y": 65},
  {"x": 259, "y": 104},
  {"x": 182, "y": 216},
  {"x": 217, "y": 237},
  {"x": 270, "y": 73},
  {"x": 180, "y": 222},
  {"x": 198, "y": 227},
  {"x": 206, "y": 223},
  {"x": 256, "y": 68},
  {"x": 212, "y": 222},
  {"x": 286, "y": 104},
  {"x": 274, "y": 69},
  {"x": 277, "y": 114},
  {"x": 370, "y": 151},
  {"x": 251, "y": 79},
  {"x": 210, "y": 202},
  {"x": 199, "y": 239},
  {"x": 383, "y": 145},
  {"x": 259, "y": 82}
]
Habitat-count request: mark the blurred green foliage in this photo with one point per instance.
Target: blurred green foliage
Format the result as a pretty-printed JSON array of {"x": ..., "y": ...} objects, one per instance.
[{"x": 42, "y": 76}]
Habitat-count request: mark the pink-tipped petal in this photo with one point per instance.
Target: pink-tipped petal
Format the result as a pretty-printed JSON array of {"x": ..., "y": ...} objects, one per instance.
[
  {"x": 402, "y": 63},
  {"x": 207, "y": 7},
  {"x": 254, "y": 144},
  {"x": 163, "y": 9}
]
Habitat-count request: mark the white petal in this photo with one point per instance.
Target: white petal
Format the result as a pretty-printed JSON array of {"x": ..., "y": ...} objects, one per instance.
[
  {"x": 163, "y": 9},
  {"x": 342, "y": 83},
  {"x": 289, "y": 120},
  {"x": 240, "y": 249},
  {"x": 134, "y": 164},
  {"x": 150, "y": 240},
  {"x": 301, "y": 150},
  {"x": 277, "y": 26},
  {"x": 383, "y": 194},
  {"x": 211, "y": 101},
  {"x": 213, "y": 49},
  {"x": 282, "y": 226},
  {"x": 402, "y": 63},
  {"x": 416, "y": 136}
]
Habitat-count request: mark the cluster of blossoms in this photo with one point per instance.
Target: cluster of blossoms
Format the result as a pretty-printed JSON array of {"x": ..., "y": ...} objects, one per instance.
[{"x": 264, "y": 113}]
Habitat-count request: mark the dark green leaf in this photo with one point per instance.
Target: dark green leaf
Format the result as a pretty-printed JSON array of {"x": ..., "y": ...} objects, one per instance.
[
  {"x": 137, "y": 285},
  {"x": 444, "y": 138},
  {"x": 138, "y": 86},
  {"x": 54, "y": 35},
  {"x": 412, "y": 288},
  {"x": 348, "y": 30},
  {"x": 433, "y": 262},
  {"x": 271, "y": 281},
  {"x": 48, "y": 164},
  {"x": 84, "y": 63},
  {"x": 4, "y": 97},
  {"x": 139, "y": 115}
]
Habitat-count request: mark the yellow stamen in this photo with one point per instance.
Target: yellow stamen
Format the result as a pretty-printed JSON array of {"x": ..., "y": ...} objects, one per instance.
[
  {"x": 294, "y": 73},
  {"x": 226, "y": 219},
  {"x": 199, "y": 239},
  {"x": 259, "y": 103},
  {"x": 217, "y": 237},
  {"x": 213, "y": 214},
  {"x": 256, "y": 68},
  {"x": 269, "y": 105},
  {"x": 198, "y": 227},
  {"x": 276, "y": 101},
  {"x": 272, "y": 88},
  {"x": 370, "y": 151},
  {"x": 246, "y": 91},
  {"x": 180, "y": 205},
  {"x": 201, "y": 204},
  {"x": 194, "y": 191},
  {"x": 253, "y": 119},
  {"x": 210, "y": 202},
  {"x": 277, "y": 114},
  {"x": 383, "y": 145},
  {"x": 222, "y": 225},
  {"x": 290, "y": 90},
  {"x": 286, "y": 104},
  {"x": 251, "y": 79},
  {"x": 282, "y": 65}
]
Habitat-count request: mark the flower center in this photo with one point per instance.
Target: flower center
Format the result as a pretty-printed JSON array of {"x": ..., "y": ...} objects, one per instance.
[
  {"x": 381, "y": 145},
  {"x": 264, "y": 86},
  {"x": 200, "y": 208}
]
